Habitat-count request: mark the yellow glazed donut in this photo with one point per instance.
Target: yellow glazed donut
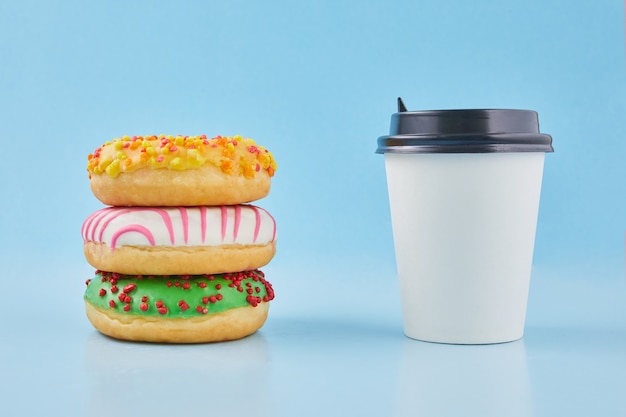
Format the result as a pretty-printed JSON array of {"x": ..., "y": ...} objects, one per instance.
[
  {"x": 179, "y": 240},
  {"x": 180, "y": 171}
]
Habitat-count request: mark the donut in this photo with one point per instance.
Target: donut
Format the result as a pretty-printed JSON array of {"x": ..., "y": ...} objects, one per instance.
[
  {"x": 178, "y": 308},
  {"x": 179, "y": 240},
  {"x": 180, "y": 171}
]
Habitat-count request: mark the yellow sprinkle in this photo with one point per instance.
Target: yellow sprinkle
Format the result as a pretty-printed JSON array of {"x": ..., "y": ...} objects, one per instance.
[
  {"x": 104, "y": 162},
  {"x": 113, "y": 169},
  {"x": 176, "y": 163}
]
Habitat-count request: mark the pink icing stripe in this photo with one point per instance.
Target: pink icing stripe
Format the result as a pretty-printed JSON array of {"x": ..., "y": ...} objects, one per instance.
[
  {"x": 105, "y": 216},
  {"x": 185, "y": 220},
  {"x": 87, "y": 224},
  {"x": 224, "y": 221},
  {"x": 114, "y": 215},
  {"x": 167, "y": 220},
  {"x": 274, "y": 223},
  {"x": 132, "y": 228},
  {"x": 237, "y": 222},
  {"x": 203, "y": 223},
  {"x": 90, "y": 229},
  {"x": 257, "y": 222}
]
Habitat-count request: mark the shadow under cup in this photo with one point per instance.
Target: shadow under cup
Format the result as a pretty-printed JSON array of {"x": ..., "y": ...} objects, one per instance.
[{"x": 464, "y": 189}]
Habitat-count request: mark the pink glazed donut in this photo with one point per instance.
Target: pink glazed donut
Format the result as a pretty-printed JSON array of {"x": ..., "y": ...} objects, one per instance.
[{"x": 179, "y": 240}]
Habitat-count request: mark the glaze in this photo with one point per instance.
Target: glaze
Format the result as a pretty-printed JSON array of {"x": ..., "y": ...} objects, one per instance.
[
  {"x": 177, "y": 296},
  {"x": 180, "y": 226},
  {"x": 232, "y": 154}
]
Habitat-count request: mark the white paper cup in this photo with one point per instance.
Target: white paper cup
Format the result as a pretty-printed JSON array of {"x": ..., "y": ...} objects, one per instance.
[{"x": 464, "y": 230}]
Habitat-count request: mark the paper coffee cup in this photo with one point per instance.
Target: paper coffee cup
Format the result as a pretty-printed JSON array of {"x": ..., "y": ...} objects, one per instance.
[{"x": 464, "y": 189}]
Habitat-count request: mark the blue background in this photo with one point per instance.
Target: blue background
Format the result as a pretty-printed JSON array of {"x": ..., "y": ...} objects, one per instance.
[{"x": 316, "y": 83}]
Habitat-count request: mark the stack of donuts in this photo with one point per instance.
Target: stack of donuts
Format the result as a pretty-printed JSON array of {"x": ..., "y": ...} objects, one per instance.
[{"x": 178, "y": 248}]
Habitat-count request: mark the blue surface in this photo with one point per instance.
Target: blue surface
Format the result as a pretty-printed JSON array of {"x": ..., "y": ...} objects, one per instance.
[
  {"x": 344, "y": 356},
  {"x": 315, "y": 83}
]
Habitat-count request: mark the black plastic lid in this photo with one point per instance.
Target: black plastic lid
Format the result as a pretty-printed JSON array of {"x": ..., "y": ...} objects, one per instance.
[{"x": 464, "y": 131}]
